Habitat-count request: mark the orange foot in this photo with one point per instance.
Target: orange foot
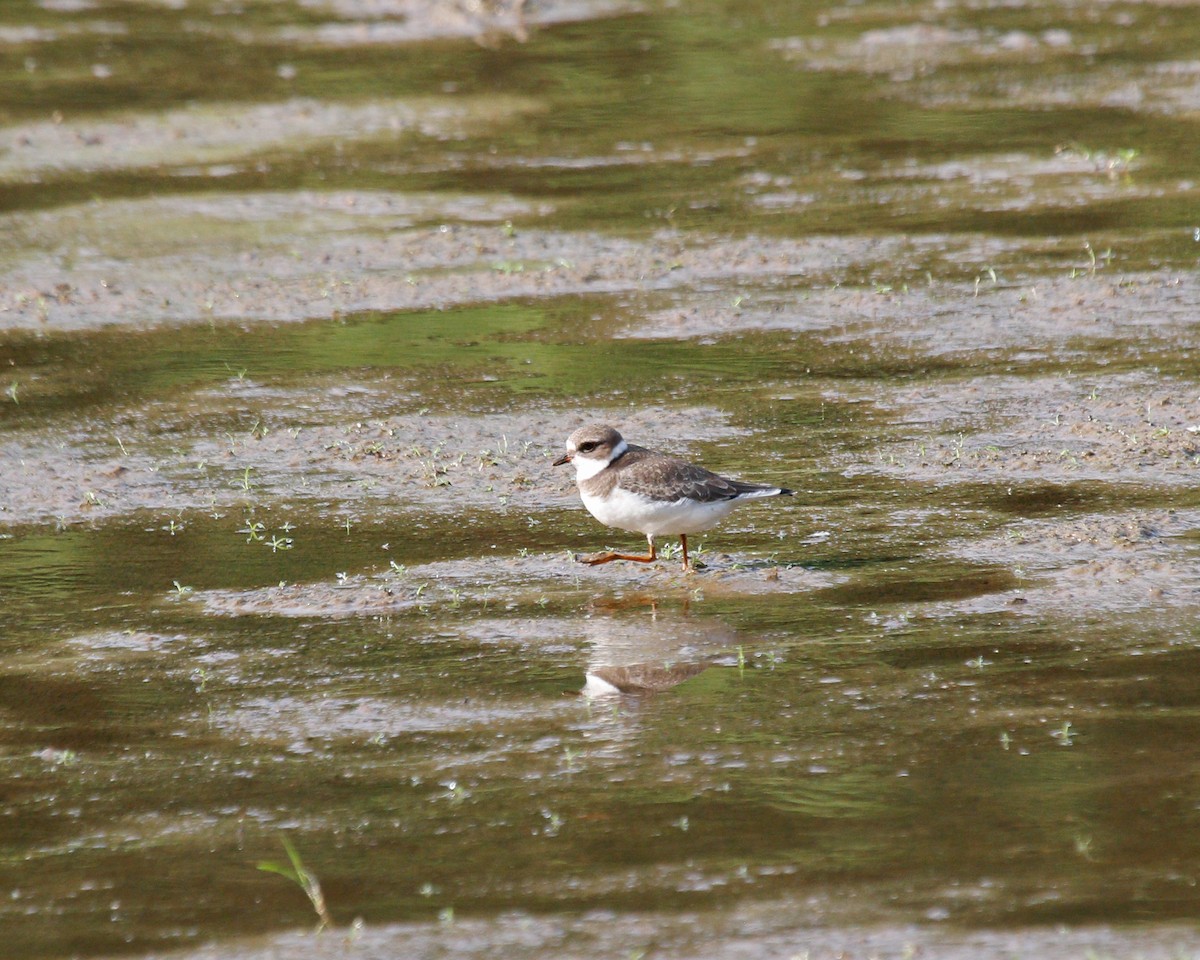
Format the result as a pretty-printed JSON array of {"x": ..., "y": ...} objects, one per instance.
[{"x": 600, "y": 558}]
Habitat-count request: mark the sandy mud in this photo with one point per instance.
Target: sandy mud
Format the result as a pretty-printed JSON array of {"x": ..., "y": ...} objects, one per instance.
[
  {"x": 354, "y": 24},
  {"x": 918, "y": 59},
  {"x": 527, "y": 582},
  {"x": 1040, "y": 318},
  {"x": 303, "y": 256},
  {"x": 397, "y": 463},
  {"x": 201, "y": 138},
  {"x": 775, "y": 936}
]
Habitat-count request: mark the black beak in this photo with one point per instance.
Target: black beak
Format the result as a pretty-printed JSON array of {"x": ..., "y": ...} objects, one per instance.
[{"x": 565, "y": 458}]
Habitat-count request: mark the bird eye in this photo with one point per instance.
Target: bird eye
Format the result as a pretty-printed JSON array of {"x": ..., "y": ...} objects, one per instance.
[{"x": 587, "y": 447}]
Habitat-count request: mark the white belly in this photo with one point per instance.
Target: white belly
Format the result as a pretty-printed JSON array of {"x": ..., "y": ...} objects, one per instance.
[{"x": 631, "y": 511}]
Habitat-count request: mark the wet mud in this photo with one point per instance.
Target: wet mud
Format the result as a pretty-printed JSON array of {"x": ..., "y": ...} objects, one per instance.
[
  {"x": 524, "y": 582},
  {"x": 302, "y": 258},
  {"x": 775, "y": 933},
  {"x": 213, "y": 139},
  {"x": 309, "y": 446}
]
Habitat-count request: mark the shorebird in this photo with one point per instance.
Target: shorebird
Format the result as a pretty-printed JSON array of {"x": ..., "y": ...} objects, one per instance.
[{"x": 632, "y": 488}]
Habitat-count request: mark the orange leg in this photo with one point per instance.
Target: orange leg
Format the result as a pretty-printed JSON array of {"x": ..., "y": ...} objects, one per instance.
[
  {"x": 683, "y": 540},
  {"x": 609, "y": 557}
]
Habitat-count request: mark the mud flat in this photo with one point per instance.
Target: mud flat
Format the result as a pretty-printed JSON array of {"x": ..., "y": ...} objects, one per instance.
[
  {"x": 769, "y": 927},
  {"x": 303, "y": 256},
  {"x": 395, "y": 463},
  {"x": 512, "y": 583}
]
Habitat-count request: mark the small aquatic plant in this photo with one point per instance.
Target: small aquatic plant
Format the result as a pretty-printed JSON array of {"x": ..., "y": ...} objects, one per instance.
[{"x": 300, "y": 875}]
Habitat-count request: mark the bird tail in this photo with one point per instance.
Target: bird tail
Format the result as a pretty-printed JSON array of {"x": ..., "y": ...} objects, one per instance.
[{"x": 750, "y": 490}]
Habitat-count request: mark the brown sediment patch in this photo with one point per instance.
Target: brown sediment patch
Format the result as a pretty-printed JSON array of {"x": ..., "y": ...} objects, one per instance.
[
  {"x": 1168, "y": 88},
  {"x": 46, "y": 480},
  {"x": 25, "y": 35},
  {"x": 1127, "y": 437},
  {"x": 397, "y": 463},
  {"x": 306, "y": 723},
  {"x": 410, "y": 21},
  {"x": 1006, "y": 183},
  {"x": 1123, "y": 562},
  {"x": 218, "y": 135},
  {"x": 281, "y": 228},
  {"x": 103, "y": 652},
  {"x": 1136, "y": 429},
  {"x": 845, "y": 923},
  {"x": 924, "y": 59},
  {"x": 529, "y": 582},
  {"x": 302, "y": 256},
  {"x": 1040, "y": 317},
  {"x": 905, "y": 51}
]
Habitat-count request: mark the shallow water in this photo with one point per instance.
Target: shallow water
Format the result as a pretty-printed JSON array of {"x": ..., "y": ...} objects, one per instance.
[{"x": 289, "y": 345}]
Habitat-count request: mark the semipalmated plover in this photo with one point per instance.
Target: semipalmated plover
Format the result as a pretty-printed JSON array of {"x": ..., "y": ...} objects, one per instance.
[{"x": 632, "y": 488}]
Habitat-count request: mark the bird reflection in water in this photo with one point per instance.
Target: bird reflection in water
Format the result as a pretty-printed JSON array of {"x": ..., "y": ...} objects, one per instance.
[{"x": 650, "y": 652}]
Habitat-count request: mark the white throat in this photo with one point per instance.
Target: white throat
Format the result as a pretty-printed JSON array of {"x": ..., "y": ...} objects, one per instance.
[{"x": 588, "y": 467}]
